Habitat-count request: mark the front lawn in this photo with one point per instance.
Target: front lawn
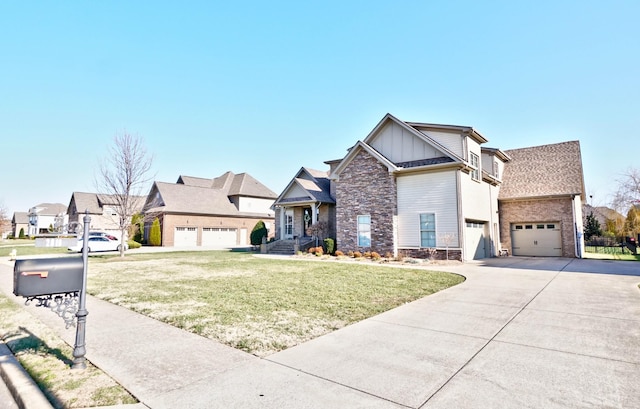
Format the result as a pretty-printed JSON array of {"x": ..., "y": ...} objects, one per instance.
[{"x": 255, "y": 304}]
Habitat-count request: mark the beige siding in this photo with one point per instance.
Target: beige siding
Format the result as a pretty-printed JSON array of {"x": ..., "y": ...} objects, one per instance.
[
  {"x": 295, "y": 192},
  {"x": 427, "y": 193},
  {"x": 255, "y": 205},
  {"x": 450, "y": 140},
  {"x": 399, "y": 145}
]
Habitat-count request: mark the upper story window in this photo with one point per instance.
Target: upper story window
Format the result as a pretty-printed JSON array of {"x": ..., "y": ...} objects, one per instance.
[
  {"x": 496, "y": 169},
  {"x": 475, "y": 163}
]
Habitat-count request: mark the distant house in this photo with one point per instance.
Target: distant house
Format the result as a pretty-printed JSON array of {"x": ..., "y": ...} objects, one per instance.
[
  {"x": 606, "y": 216},
  {"x": 541, "y": 201},
  {"x": 20, "y": 221},
  {"x": 306, "y": 200},
  {"x": 219, "y": 212},
  {"x": 47, "y": 218},
  {"x": 101, "y": 208}
]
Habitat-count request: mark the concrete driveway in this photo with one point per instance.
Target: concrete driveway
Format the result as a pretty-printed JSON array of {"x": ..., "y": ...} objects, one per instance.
[{"x": 519, "y": 333}]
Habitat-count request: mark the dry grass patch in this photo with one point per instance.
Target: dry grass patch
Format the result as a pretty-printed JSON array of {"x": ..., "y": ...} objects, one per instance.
[{"x": 258, "y": 305}]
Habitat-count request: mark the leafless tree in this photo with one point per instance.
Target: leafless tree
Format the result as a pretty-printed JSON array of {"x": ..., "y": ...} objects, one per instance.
[
  {"x": 4, "y": 218},
  {"x": 628, "y": 193},
  {"x": 124, "y": 176}
]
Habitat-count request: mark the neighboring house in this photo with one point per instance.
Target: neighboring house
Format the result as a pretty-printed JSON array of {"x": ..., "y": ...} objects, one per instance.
[
  {"x": 47, "y": 218},
  {"x": 541, "y": 201},
  {"x": 419, "y": 190},
  {"x": 218, "y": 212},
  {"x": 20, "y": 221},
  {"x": 306, "y": 200},
  {"x": 101, "y": 208},
  {"x": 606, "y": 216}
]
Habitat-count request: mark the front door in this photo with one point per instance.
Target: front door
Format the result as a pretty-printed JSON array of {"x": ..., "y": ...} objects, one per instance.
[
  {"x": 306, "y": 221},
  {"x": 288, "y": 224}
]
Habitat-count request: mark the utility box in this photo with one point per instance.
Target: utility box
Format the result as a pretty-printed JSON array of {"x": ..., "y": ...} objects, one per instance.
[{"x": 44, "y": 276}]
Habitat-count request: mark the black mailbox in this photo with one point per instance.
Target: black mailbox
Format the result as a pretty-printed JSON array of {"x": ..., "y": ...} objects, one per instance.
[{"x": 47, "y": 276}]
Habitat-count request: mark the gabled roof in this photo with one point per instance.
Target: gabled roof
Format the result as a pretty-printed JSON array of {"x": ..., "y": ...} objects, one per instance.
[
  {"x": 242, "y": 184},
  {"x": 95, "y": 202},
  {"x": 20, "y": 218},
  {"x": 191, "y": 195},
  {"x": 496, "y": 152},
  {"x": 543, "y": 171},
  {"x": 353, "y": 151},
  {"x": 49, "y": 209},
  {"x": 315, "y": 184}
]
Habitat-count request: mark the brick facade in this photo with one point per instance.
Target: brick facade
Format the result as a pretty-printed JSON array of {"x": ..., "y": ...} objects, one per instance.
[
  {"x": 169, "y": 222},
  {"x": 365, "y": 187},
  {"x": 543, "y": 210}
]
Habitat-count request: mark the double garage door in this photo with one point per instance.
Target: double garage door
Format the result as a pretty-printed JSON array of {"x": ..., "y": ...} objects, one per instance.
[
  {"x": 536, "y": 239},
  {"x": 218, "y": 237}
]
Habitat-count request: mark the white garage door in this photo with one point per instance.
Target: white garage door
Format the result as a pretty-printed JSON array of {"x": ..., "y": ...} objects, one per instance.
[
  {"x": 219, "y": 237},
  {"x": 536, "y": 239},
  {"x": 474, "y": 241},
  {"x": 185, "y": 237}
]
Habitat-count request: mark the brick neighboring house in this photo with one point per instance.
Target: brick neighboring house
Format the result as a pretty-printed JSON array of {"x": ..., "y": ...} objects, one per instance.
[
  {"x": 419, "y": 190},
  {"x": 219, "y": 212},
  {"x": 20, "y": 221},
  {"x": 102, "y": 208},
  {"x": 541, "y": 201}
]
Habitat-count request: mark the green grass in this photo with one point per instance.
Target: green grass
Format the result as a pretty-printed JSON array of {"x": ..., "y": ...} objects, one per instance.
[
  {"x": 28, "y": 248},
  {"x": 255, "y": 304},
  {"x": 609, "y": 253}
]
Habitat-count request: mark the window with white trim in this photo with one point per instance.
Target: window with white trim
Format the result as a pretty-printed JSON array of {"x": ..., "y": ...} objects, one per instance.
[
  {"x": 496, "y": 170},
  {"x": 475, "y": 163},
  {"x": 427, "y": 229},
  {"x": 364, "y": 231}
]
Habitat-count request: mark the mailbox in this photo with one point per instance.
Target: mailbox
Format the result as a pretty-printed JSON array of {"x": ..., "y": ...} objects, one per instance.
[{"x": 44, "y": 276}]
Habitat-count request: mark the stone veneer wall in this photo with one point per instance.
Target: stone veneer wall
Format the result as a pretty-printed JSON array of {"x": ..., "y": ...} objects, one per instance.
[
  {"x": 533, "y": 211},
  {"x": 365, "y": 187}
]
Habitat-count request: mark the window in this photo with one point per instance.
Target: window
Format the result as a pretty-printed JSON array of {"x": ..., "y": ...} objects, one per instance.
[
  {"x": 475, "y": 163},
  {"x": 496, "y": 169},
  {"x": 427, "y": 230},
  {"x": 364, "y": 231},
  {"x": 288, "y": 224}
]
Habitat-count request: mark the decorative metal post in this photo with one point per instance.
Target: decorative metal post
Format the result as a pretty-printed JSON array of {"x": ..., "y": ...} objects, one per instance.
[{"x": 79, "y": 350}]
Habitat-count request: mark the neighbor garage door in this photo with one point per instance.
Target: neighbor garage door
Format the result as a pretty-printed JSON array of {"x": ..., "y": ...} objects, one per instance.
[
  {"x": 220, "y": 237},
  {"x": 536, "y": 239},
  {"x": 474, "y": 241},
  {"x": 185, "y": 237}
]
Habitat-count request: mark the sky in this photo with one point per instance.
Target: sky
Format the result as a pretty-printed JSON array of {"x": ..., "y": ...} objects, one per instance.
[{"x": 268, "y": 87}]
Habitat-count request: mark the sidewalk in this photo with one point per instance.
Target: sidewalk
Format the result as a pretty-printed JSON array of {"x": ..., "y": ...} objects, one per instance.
[{"x": 517, "y": 333}]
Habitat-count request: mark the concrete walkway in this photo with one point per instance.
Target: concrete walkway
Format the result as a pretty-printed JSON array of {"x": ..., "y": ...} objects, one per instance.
[{"x": 518, "y": 333}]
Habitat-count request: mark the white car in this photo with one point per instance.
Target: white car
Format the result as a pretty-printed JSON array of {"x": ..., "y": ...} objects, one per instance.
[{"x": 98, "y": 243}]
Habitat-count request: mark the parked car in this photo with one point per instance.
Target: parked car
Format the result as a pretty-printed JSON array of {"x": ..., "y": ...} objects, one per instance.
[
  {"x": 98, "y": 243},
  {"x": 100, "y": 234}
]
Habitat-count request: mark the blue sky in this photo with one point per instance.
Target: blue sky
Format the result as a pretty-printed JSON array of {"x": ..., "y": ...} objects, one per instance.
[{"x": 268, "y": 87}]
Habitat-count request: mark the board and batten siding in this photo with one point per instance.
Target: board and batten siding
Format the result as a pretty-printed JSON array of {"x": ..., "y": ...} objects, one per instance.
[
  {"x": 400, "y": 145},
  {"x": 427, "y": 193},
  {"x": 450, "y": 140}
]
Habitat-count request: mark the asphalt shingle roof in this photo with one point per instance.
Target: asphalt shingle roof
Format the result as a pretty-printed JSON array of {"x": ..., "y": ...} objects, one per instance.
[{"x": 546, "y": 170}]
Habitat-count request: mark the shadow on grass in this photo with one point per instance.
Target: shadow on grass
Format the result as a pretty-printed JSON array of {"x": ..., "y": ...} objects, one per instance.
[{"x": 24, "y": 341}]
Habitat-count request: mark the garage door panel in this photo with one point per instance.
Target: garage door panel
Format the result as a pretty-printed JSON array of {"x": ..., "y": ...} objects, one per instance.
[
  {"x": 475, "y": 241},
  {"x": 536, "y": 239},
  {"x": 214, "y": 236},
  {"x": 185, "y": 237}
]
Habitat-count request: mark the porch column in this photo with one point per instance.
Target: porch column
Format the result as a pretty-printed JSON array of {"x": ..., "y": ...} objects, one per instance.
[
  {"x": 282, "y": 222},
  {"x": 314, "y": 212}
]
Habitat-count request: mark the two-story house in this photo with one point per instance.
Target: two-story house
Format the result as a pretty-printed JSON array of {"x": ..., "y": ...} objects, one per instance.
[{"x": 47, "y": 218}]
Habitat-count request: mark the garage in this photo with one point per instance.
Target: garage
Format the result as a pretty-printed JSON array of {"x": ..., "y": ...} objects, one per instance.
[
  {"x": 474, "y": 241},
  {"x": 185, "y": 237},
  {"x": 219, "y": 237},
  {"x": 536, "y": 239}
]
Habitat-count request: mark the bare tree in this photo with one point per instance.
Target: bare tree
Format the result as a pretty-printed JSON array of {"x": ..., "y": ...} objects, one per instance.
[
  {"x": 4, "y": 219},
  {"x": 628, "y": 192},
  {"x": 124, "y": 176}
]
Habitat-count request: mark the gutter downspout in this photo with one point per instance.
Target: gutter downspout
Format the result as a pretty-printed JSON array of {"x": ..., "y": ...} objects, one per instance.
[{"x": 576, "y": 235}]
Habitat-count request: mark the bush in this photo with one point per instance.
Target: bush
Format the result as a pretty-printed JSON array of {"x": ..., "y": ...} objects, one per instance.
[
  {"x": 375, "y": 256},
  {"x": 259, "y": 231},
  {"x": 357, "y": 254},
  {"x": 367, "y": 254},
  {"x": 350, "y": 253},
  {"x": 21, "y": 235},
  {"x": 330, "y": 245},
  {"x": 134, "y": 244},
  {"x": 155, "y": 235},
  {"x": 319, "y": 251},
  {"x": 339, "y": 253}
]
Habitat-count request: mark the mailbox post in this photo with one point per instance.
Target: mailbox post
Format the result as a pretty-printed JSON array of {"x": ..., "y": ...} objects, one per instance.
[{"x": 79, "y": 350}]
